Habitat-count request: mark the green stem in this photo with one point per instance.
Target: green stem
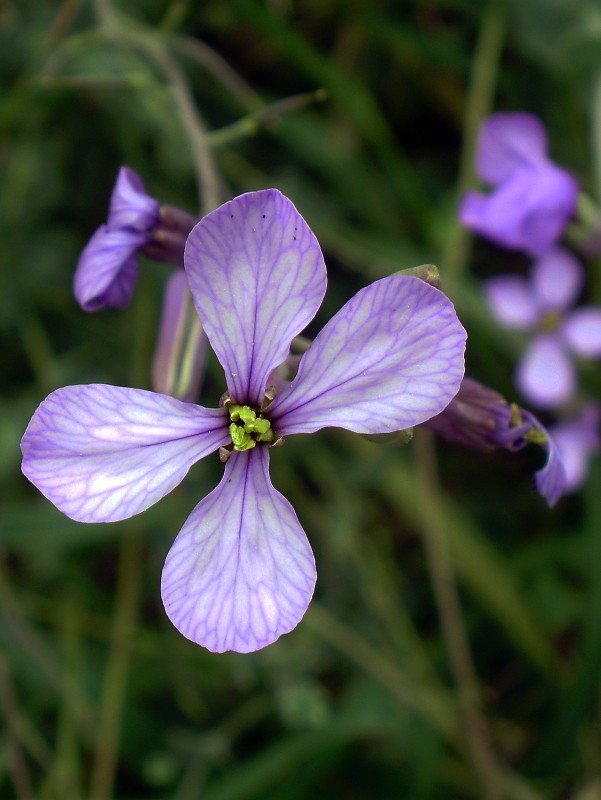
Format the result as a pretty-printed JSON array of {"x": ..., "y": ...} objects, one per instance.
[
  {"x": 17, "y": 766},
  {"x": 117, "y": 669},
  {"x": 449, "y": 610},
  {"x": 478, "y": 105}
]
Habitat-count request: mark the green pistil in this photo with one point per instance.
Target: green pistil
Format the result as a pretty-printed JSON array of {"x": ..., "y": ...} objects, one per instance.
[{"x": 247, "y": 429}]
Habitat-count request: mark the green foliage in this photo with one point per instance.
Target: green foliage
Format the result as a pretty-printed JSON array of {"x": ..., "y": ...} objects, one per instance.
[{"x": 101, "y": 697}]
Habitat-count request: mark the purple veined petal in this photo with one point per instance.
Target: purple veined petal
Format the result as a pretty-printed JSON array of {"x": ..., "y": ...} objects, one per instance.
[
  {"x": 181, "y": 348},
  {"x": 557, "y": 279},
  {"x": 107, "y": 269},
  {"x": 511, "y": 301},
  {"x": 507, "y": 142},
  {"x": 241, "y": 572},
  {"x": 257, "y": 276},
  {"x": 545, "y": 375},
  {"x": 582, "y": 331},
  {"x": 391, "y": 358},
  {"x": 131, "y": 206},
  {"x": 103, "y": 453}
]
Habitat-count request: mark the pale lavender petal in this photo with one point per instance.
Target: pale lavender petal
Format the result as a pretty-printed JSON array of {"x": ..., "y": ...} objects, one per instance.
[
  {"x": 257, "y": 276},
  {"x": 545, "y": 375},
  {"x": 526, "y": 212},
  {"x": 131, "y": 206},
  {"x": 391, "y": 358},
  {"x": 551, "y": 479},
  {"x": 241, "y": 572},
  {"x": 507, "y": 142},
  {"x": 557, "y": 279},
  {"x": 102, "y": 453},
  {"x": 582, "y": 330},
  {"x": 511, "y": 301},
  {"x": 107, "y": 269},
  {"x": 576, "y": 440},
  {"x": 179, "y": 357}
]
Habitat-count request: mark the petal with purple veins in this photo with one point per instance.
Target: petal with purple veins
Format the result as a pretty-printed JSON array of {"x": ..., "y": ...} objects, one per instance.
[
  {"x": 107, "y": 269},
  {"x": 131, "y": 206},
  {"x": 257, "y": 276},
  {"x": 557, "y": 279},
  {"x": 511, "y": 301},
  {"x": 582, "y": 331},
  {"x": 241, "y": 572},
  {"x": 391, "y": 358},
  {"x": 507, "y": 142},
  {"x": 545, "y": 375},
  {"x": 103, "y": 453}
]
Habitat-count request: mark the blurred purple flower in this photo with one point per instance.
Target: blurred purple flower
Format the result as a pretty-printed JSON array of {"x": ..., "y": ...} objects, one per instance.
[
  {"x": 546, "y": 375},
  {"x": 107, "y": 269},
  {"x": 532, "y": 199},
  {"x": 480, "y": 418},
  {"x": 241, "y": 571},
  {"x": 577, "y": 440}
]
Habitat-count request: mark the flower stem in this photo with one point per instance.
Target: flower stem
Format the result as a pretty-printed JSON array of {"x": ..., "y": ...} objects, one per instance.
[
  {"x": 449, "y": 610},
  {"x": 17, "y": 766},
  {"x": 115, "y": 679},
  {"x": 478, "y": 105}
]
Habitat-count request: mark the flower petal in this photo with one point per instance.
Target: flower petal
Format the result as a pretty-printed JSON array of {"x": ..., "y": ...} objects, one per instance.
[
  {"x": 131, "y": 206},
  {"x": 103, "y": 453},
  {"x": 391, "y": 358},
  {"x": 241, "y": 572},
  {"x": 576, "y": 441},
  {"x": 507, "y": 142},
  {"x": 179, "y": 357},
  {"x": 257, "y": 276},
  {"x": 107, "y": 269},
  {"x": 545, "y": 375},
  {"x": 511, "y": 301},
  {"x": 557, "y": 279},
  {"x": 582, "y": 331},
  {"x": 526, "y": 212}
]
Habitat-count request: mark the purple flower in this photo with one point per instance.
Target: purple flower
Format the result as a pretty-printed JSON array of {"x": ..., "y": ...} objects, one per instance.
[
  {"x": 241, "y": 571},
  {"x": 532, "y": 199},
  {"x": 107, "y": 269},
  {"x": 577, "y": 440},
  {"x": 480, "y": 418},
  {"x": 546, "y": 374}
]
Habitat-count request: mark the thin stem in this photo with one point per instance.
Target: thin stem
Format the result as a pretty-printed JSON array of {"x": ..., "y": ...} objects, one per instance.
[
  {"x": 478, "y": 105},
  {"x": 449, "y": 610},
  {"x": 17, "y": 765},
  {"x": 117, "y": 669},
  {"x": 158, "y": 52},
  {"x": 219, "y": 68},
  {"x": 430, "y": 703}
]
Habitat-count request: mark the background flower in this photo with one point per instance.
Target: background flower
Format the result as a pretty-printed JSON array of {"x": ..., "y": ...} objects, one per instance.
[
  {"x": 532, "y": 198},
  {"x": 546, "y": 375}
]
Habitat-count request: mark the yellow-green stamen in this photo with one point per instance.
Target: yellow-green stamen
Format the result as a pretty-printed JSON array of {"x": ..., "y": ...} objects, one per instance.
[{"x": 246, "y": 428}]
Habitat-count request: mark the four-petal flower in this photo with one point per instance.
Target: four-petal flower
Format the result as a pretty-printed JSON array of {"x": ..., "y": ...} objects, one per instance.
[
  {"x": 545, "y": 375},
  {"x": 241, "y": 571}
]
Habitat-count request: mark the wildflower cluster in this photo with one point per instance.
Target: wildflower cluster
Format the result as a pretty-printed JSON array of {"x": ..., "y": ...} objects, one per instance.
[{"x": 533, "y": 204}]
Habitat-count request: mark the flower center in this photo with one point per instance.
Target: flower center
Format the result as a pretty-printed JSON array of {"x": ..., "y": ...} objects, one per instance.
[
  {"x": 247, "y": 427},
  {"x": 550, "y": 321}
]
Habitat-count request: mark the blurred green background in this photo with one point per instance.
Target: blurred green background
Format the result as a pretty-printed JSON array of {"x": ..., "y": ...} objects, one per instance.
[{"x": 101, "y": 698}]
